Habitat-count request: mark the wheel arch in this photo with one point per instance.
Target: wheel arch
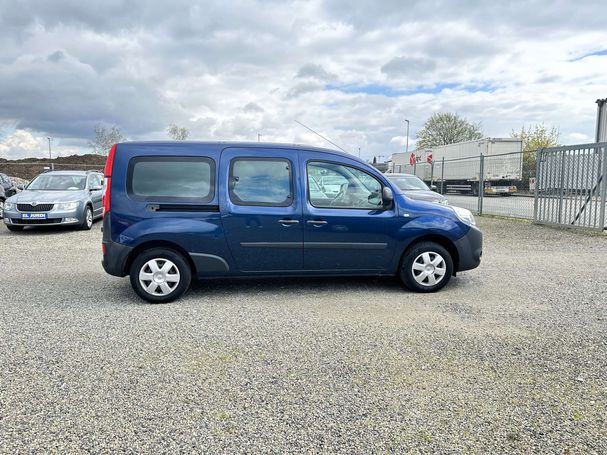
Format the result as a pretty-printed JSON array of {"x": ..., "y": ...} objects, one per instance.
[
  {"x": 442, "y": 240},
  {"x": 158, "y": 244}
]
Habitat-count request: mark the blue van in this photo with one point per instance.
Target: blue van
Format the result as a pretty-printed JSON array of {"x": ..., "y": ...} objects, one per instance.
[{"x": 174, "y": 211}]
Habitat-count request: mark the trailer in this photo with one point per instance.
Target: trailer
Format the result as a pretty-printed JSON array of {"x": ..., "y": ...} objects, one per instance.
[{"x": 502, "y": 160}]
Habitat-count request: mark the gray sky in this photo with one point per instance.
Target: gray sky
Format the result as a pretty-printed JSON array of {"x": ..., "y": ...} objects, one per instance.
[{"x": 352, "y": 70}]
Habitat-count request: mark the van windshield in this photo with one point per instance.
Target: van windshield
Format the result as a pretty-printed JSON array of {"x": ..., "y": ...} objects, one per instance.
[
  {"x": 408, "y": 183},
  {"x": 46, "y": 182}
]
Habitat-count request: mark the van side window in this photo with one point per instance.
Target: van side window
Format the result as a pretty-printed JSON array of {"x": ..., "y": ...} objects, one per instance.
[
  {"x": 172, "y": 179},
  {"x": 261, "y": 181},
  {"x": 332, "y": 185}
]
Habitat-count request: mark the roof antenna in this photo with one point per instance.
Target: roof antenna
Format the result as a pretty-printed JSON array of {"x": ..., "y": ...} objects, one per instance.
[{"x": 320, "y": 135}]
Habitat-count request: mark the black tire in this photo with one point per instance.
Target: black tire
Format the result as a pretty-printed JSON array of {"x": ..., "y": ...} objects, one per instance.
[
  {"x": 182, "y": 267},
  {"x": 411, "y": 278},
  {"x": 13, "y": 228},
  {"x": 87, "y": 222}
]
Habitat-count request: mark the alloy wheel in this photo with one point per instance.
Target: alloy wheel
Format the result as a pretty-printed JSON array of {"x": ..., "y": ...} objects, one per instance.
[{"x": 89, "y": 218}]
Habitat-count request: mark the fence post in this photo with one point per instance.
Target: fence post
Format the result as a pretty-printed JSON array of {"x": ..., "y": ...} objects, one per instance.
[
  {"x": 538, "y": 159},
  {"x": 481, "y": 183},
  {"x": 603, "y": 191},
  {"x": 562, "y": 186},
  {"x": 442, "y": 176},
  {"x": 415, "y": 168}
]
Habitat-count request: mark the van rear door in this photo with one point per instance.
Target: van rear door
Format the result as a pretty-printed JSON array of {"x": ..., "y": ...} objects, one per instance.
[{"x": 260, "y": 208}]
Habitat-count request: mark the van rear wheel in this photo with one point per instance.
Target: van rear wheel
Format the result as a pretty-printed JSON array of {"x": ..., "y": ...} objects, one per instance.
[
  {"x": 426, "y": 267},
  {"x": 160, "y": 275}
]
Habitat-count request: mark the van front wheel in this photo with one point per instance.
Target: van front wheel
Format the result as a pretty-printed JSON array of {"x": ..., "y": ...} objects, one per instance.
[
  {"x": 426, "y": 267},
  {"x": 160, "y": 275}
]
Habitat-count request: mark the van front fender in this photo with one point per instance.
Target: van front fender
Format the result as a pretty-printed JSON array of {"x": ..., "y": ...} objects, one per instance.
[{"x": 431, "y": 227}]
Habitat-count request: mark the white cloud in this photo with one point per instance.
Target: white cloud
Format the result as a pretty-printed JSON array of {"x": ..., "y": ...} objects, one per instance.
[
  {"x": 22, "y": 143},
  {"x": 233, "y": 69},
  {"x": 578, "y": 137}
]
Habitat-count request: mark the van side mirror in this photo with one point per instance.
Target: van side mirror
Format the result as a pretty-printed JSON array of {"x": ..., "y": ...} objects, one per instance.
[
  {"x": 386, "y": 195},
  {"x": 433, "y": 188}
]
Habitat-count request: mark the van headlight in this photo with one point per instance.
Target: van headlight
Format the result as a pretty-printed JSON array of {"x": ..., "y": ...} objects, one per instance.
[
  {"x": 9, "y": 206},
  {"x": 464, "y": 215},
  {"x": 67, "y": 205}
]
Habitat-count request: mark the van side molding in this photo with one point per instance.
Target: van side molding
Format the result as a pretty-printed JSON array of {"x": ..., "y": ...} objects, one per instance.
[{"x": 209, "y": 263}]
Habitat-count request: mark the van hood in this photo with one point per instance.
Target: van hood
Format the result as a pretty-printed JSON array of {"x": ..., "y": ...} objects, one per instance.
[
  {"x": 423, "y": 195},
  {"x": 26, "y": 197}
]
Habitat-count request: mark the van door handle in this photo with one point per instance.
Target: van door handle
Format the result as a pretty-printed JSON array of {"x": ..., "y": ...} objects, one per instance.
[
  {"x": 288, "y": 221},
  {"x": 317, "y": 222}
]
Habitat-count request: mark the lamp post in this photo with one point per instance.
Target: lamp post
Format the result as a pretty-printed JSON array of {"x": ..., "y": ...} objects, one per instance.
[
  {"x": 49, "y": 148},
  {"x": 407, "y": 146},
  {"x": 258, "y": 137}
]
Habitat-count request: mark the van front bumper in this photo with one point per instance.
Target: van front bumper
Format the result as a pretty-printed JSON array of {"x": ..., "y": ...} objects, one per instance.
[{"x": 470, "y": 249}]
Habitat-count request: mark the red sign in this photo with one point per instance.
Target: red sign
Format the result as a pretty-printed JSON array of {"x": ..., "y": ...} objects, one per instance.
[
  {"x": 429, "y": 158},
  {"x": 412, "y": 159}
]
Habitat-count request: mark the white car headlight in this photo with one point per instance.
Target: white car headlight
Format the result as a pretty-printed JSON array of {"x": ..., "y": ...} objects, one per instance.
[
  {"x": 67, "y": 205},
  {"x": 442, "y": 201},
  {"x": 9, "y": 206},
  {"x": 464, "y": 215}
]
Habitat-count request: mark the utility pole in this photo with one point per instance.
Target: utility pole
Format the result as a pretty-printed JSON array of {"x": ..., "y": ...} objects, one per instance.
[
  {"x": 407, "y": 147},
  {"x": 49, "y": 148}
]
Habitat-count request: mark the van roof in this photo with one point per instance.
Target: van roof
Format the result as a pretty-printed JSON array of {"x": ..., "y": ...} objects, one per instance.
[{"x": 266, "y": 145}]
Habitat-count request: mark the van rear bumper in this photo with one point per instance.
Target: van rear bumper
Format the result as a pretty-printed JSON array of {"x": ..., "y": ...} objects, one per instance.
[
  {"x": 469, "y": 250},
  {"x": 114, "y": 254}
]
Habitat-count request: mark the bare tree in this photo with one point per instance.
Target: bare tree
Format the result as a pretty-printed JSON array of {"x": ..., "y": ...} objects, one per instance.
[
  {"x": 105, "y": 137},
  {"x": 444, "y": 128},
  {"x": 178, "y": 133}
]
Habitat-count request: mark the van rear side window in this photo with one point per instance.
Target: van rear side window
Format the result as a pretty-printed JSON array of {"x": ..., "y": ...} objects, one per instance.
[
  {"x": 261, "y": 181},
  {"x": 185, "y": 179}
]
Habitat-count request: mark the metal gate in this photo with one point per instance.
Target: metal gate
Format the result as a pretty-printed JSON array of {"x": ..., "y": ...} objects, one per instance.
[{"x": 571, "y": 186}]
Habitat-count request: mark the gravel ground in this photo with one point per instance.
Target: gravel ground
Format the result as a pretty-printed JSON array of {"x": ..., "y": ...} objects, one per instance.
[{"x": 510, "y": 358}]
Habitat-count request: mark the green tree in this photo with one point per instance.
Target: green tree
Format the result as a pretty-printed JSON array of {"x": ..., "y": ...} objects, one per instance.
[
  {"x": 104, "y": 138},
  {"x": 534, "y": 138},
  {"x": 178, "y": 133},
  {"x": 444, "y": 128}
]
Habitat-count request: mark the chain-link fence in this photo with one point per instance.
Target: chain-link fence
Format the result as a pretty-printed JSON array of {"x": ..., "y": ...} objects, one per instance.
[
  {"x": 571, "y": 188},
  {"x": 495, "y": 184}
]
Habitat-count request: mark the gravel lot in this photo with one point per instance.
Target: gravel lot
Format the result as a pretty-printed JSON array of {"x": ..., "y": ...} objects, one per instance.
[{"x": 511, "y": 357}]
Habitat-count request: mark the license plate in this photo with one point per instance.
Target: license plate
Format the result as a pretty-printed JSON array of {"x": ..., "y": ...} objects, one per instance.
[{"x": 33, "y": 216}]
